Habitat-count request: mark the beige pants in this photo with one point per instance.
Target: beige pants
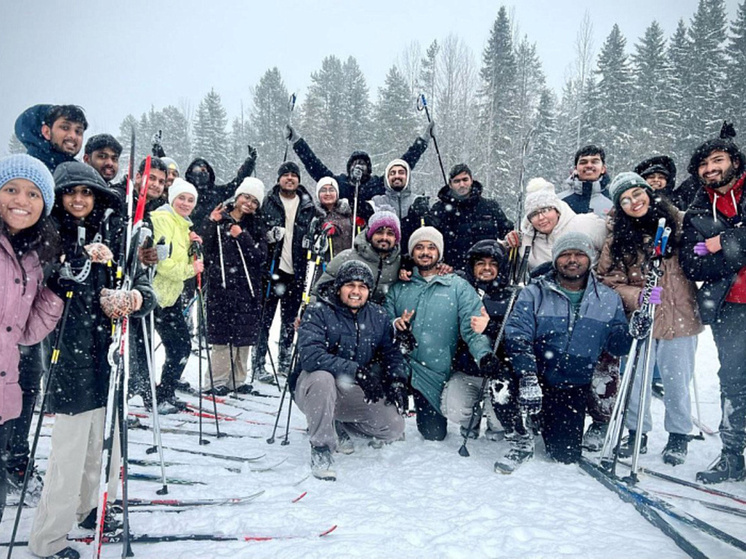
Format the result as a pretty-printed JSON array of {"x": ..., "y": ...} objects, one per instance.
[
  {"x": 221, "y": 366},
  {"x": 72, "y": 479}
]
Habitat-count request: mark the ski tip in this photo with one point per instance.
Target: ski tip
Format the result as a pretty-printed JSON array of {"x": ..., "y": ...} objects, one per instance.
[
  {"x": 329, "y": 531},
  {"x": 299, "y": 497}
]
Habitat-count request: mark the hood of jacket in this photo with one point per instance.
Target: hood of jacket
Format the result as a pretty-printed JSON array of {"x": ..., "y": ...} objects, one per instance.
[
  {"x": 445, "y": 195},
  {"x": 394, "y": 163},
  {"x": 28, "y": 131},
  {"x": 189, "y": 175}
]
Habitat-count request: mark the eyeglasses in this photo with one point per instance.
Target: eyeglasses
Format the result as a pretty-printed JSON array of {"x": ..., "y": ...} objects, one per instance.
[
  {"x": 636, "y": 195},
  {"x": 540, "y": 211},
  {"x": 329, "y": 190},
  {"x": 82, "y": 190}
]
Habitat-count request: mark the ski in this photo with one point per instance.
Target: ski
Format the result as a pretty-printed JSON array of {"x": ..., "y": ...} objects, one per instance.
[
  {"x": 694, "y": 485},
  {"x": 156, "y": 463},
  {"x": 192, "y": 502},
  {"x": 195, "y": 393},
  {"x": 709, "y": 504},
  {"x": 182, "y": 431},
  {"x": 139, "y": 476},
  {"x": 238, "y": 404},
  {"x": 209, "y": 454}
]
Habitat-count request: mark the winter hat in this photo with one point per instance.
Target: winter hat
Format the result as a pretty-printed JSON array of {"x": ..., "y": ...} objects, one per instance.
[
  {"x": 540, "y": 194},
  {"x": 623, "y": 182},
  {"x": 353, "y": 270},
  {"x": 171, "y": 164},
  {"x": 384, "y": 217},
  {"x": 180, "y": 186},
  {"x": 22, "y": 166},
  {"x": 357, "y": 154},
  {"x": 251, "y": 186},
  {"x": 75, "y": 173},
  {"x": 394, "y": 163},
  {"x": 324, "y": 182},
  {"x": 574, "y": 240},
  {"x": 288, "y": 167},
  {"x": 427, "y": 233}
]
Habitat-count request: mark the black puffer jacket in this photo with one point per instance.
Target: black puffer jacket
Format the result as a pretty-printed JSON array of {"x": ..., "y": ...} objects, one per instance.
[
  {"x": 464, "y": 222},
  {"x": 233, "y": 311},
  {"x": 28, "y": 131},
  {"x": 680, "y": 196}
]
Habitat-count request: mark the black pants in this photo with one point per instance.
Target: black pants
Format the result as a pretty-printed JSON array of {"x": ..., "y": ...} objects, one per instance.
[
  {"x": 562, "y": 419},
  {"x": 139, "y": 384},
  {"x": 5, "y": 430},
  {"x": 430, "y": 423},
  {"x": 504, "y": 398},
  {"x": 287, "y": 290},
  {"x": 172, "y": 328}
]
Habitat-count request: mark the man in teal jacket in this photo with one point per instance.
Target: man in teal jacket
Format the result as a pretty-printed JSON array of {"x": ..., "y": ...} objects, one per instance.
[{"x": 436, "y": 310}]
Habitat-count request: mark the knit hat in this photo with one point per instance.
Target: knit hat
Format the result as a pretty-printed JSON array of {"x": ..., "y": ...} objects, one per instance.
[
  {"x": 171, "y": 164},
  {"x": 251, "y": 186},
  {"x": 623, "y": 182},
  {"x": 427, "y": 233},
  {"x": 180, "y": 186},
  {"x": 540, "y": 194},
  {"x": 394, "y": 163},
  {"x": 324, "y": 182},
  {"x": 22, "y": 166},
  {"x": 353, "y": 270},
  {"x": 384, "y": 217},
  {"x": 574, "y": 240},
  {"x": 288, "y": 167}
]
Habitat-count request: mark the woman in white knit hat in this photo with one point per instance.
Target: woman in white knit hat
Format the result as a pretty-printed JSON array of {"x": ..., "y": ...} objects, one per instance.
[{"x": 330, "y": 209}]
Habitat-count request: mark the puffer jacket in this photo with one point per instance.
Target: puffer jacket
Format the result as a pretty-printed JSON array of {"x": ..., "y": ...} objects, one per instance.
[
  {"x": 543, "y": 337},
  {"x": 677, "y": 315},
  {"x": 585, "y": 196},
  {"x": 171, "y": 273},
  {"x": 28, "y": 131},
  {"x": 28, "y": 313},
  {"x": 341, "y": 217}
]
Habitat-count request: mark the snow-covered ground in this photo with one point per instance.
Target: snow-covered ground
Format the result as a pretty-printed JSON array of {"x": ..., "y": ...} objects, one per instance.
[{"x": 411, "y": 498}]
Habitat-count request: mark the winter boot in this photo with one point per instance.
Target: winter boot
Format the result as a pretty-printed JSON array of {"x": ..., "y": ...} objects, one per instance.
[
  {"x": 521, "y": 449},
  {"x": 218, "y": 391},
  {"x": 594, "y": 437},
  {"x": 167, "y": 408},
  {"x": 321, "y": 464},
  {"x": 494, "y": 434},
  {"x": 727, "y": 467},
  {"x": 628, "y": 448},
  {"x": 344, "y": 442},
  {"x": 111, "y": 524},
  {"x": 676, "y": 448},
  {"x": 283, "y": 361},
  {"x": 472, "y": 433},
  {"x": 34, "y": 487},
  {"x": 67, "y": 553}
]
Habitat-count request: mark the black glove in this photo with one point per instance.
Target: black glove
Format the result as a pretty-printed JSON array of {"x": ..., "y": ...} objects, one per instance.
[
  {"x": 252, "y": 153},
  {"x": 489, "y": 366},
  {"x": 406, "y": 340},
  {"x": 371, "y": 385},
  {"x": 157, "y": 148},
  {"x": 420, "y": 207},
  {"x": 529, "y": 394},
  {"x": 396, "y": 395}
]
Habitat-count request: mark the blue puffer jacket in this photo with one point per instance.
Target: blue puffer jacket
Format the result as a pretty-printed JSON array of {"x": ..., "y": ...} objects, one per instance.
[
  {"x": 28, "y": 131},
  {"x": 542, "y": 335}
]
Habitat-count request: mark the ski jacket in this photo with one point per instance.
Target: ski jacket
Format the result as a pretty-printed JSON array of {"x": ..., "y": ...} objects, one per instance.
[
  {"x": 233, "y": 309},
  {"x": 464, "y": 222},
  {"x": 331, "y": 338},
  {"x": 341, "y": 217},
  {"x": 443, "y": 309},
  {"x": 720, "y": 270},
  {"x": 170, "y": 274},
  {"x": 585, "y": 196},
  {"x": 29, "y": 311},
  {"x": 543, "y": 336},
  {"x": 541, "y": 244},
  {"x": 372, "y": 187},
  {"x": 677, "y": 315},
  {"x": 28, "y": 131},
  {"x": 385, "y": 267}
]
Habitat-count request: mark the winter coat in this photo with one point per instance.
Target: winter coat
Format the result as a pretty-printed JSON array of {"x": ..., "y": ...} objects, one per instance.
[
  {"x": 385, "y": 267},
  {"x": 718, "y": 271},
  {"x": 233, "y": 311},
  {"x": 28, "y": 312},
  {"x": 274, "y": 215},
  {"x": 541, "y": 244},
  {"x": 28, "y": 131},
  {"x": 443, "y": 309},
  {"x": 170, "y": 274},
  {"x": 677, "y": 315},
  {"x": 81, "y": 379},
  {"x": 681, "y": 195},
  {"x": 542, "y": 335},
  {"x": 341, "y": 217},
  {"x": 464, "y": 222},
  {"x": 331, "y": 338},
  {"x": 585, "y": 196},
  {"x": 372, "y": 187}
]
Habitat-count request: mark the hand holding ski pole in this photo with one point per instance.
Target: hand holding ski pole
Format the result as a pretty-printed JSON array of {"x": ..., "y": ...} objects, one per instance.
[
  {"x": 422, "y": 105},
  {"x": 99, "y": 253},
  {"x": 654, "y": 297},
  {"x": 120, "y": 303}
]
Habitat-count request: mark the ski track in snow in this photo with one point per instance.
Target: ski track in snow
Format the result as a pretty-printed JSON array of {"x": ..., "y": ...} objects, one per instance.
[{"x": 413, "y": 498}]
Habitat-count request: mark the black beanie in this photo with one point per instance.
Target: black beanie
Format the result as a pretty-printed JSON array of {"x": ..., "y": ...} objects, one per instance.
[
  {"x": 353, "y": 270},
  {"x": 288, "y": 167}
]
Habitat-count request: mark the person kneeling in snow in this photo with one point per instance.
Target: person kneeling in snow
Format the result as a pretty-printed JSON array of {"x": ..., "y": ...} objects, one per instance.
[{"x": 351, "y": 375}]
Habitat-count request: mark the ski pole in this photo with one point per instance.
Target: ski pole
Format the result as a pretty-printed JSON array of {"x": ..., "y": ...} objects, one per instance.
[
  {"x": 157, "y": 440},
  {"x": 233, "y": 369},
  {"x": 291, "y": 106},
  {"x": 275, "y": 254},
  {"x": 701, "y": 435},
  {"x": 422, "y": 105},
  {"x": 124, "y": 468},
  {"x": 271, "y": 439}
]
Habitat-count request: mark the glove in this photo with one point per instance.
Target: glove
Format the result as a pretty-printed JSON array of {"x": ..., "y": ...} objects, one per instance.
[
  {"x": 328, "y": 229},
  {"x": 513, "y": 239},
  {"x": 157, "y": 149},
  {"x": 99, "y": 253},
  {"x": 396, "y": 395},
  {"x": 370, "y": 385},
  {"x": 275, "y": 235},
  {"x": 290, "y": 134},
  {"x": 655, "y": 295},
  {"x": 429, "y": 131},
  {"x": 252, "y": 153},
  {"x": 489, "y": 366},
  {"x": 420, "y": 207},
  {"x": 406, "y": 340},
  {"x": 529, "y": 394},
  {"x": 700, "y": 249},
  {"x": 120, "y": 303},
  {"x": 147, "y": 256}
]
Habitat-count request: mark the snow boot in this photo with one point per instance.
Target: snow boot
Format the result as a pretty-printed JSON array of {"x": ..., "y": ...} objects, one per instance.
[
  {"x": 727, "y": 467},
  {"x": 218, "y": 391},
  {"x": 321, "y": 464},
  {"x": 628, "y": 448},
  {"x": 167, "y": 408},
  {"x": 594, "y": 437},
  {"x": 344, "y": 442},
  {"x": 521, "y": 450},
  {"x": 472, "y": 433},
  {"x": 494, "y": 434},
  {"x": 66, "y": 553},
  {"x": 111, "y": 524},
  {"x": 676, "y": 449},
  {"x": 245, "y": 389},
  {"x": 34, "y": 487}
]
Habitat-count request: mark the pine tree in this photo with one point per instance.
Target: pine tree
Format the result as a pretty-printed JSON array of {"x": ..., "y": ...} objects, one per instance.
[
  {"x": 541, "y": 161},
  {"x": 176, "y": 138},
  {"x": 395, "y": 120},
  {"x": 679, "y": 57},
  {"x": 355, "y": 133},
  {"x": 428, "y": 72},
  {"x": 240, "y": 138},
  {"x": 210, "y": 136},
  {"x": 269, "y": 114},
  {"x": 735, "y": 97},
  {"x": 15, "y": 145}
]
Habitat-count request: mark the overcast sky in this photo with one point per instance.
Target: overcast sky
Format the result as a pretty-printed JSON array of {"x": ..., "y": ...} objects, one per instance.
[{"x": 115, "y": 58}]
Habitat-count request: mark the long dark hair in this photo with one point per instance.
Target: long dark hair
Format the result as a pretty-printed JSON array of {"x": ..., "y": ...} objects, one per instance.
[
  {"x": 629, "y": 233},
  {"x": 41, "y": 237}
]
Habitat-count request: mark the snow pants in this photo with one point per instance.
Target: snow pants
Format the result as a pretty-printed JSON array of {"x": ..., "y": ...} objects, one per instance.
[
  {"x": 287, "y": 291},
  {"x": 562, "y": 419},
  {"x": 222, "y": 374}
]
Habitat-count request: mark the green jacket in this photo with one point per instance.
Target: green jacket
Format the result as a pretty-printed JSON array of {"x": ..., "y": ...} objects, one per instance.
[
  {"x": 443, "y": 309},
  {"x": 170, "y": 274}
]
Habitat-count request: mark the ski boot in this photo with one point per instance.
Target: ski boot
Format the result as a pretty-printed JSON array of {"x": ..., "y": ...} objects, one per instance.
[
  {"x": 676, "y": 449},
  {"x": 593, "y": 440},
  {"x": 521, "y": 450},
  {"x": 727, "y": 467},
  {"x": 628, "y": 448}
]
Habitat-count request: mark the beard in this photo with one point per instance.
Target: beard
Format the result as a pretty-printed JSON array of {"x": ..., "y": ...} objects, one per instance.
[{"x": 728, "y": 175}]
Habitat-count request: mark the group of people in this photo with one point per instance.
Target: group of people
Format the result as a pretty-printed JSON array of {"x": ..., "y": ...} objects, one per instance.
[{"x": 385, "y": 299}]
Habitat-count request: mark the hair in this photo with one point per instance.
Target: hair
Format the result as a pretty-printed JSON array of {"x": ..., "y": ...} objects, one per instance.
[
  {"x": 628, "y": 232},
  {"x": 458, "y": 169},
  {"x": 590, "y": 149},
  {"x": 41, "y": 237},
  {"x": 73, "y": 113},
  {"x": 155, "y": 163},
  {"x": 102, "y": 141}
]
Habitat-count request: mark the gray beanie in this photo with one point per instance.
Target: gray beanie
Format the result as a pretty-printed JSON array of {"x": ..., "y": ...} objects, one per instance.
[
  {"x": 353, "y": 270},
  {"x": 623, "y": 182},
  {"x": 574, "y": 240},
  {"x": 171, "y": 164},
  {"x": 427, "y": 233},
  {"x": 22, "y": 166}
]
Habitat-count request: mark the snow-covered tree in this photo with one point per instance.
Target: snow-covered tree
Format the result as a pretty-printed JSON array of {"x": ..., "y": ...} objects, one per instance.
[
  {"x": 541, "y": 159},
  {"x": 269, "y": 114},
  {"x": 15, "y": 145},
  {"x": 395, "y": 119},
  {"x": 735, "y": 83},
  {"x": 210, "y": 136}
]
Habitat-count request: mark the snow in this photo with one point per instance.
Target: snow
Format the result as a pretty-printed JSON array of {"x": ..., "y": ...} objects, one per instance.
[{"x": 412, "y": 498}]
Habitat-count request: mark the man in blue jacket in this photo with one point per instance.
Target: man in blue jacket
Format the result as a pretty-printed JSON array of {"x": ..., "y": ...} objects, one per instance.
[
  {"x": 558, "y": 328},
  {"x": 351, "y": 374},
  {"x": 52, "y": 133}
]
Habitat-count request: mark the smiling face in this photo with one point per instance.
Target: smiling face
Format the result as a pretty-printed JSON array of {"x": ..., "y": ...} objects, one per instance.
[
  {"x": 184, "y": 203},
  {"x": 21, "y": 204},
  {"x": 717, "y": 170},
  {"x": 156, "y": 183},
  {"x": 485, "y": 268},
  {"x": 354, "y": 295},
  {"x": 246, "y": 204},
  {"x": 383, "y": 239},
  {"x": 572, "y": 265},
  {"x": 590, "y": 167},
  {"x": 105, "y": 161},
  {"x": 657, "y": 181},
  {"x": 425, "y": 255},
  {"x": 328, "y": 196},
  {"x": 397, "y": 177},
  {"x": 544, "y": 220},
  {"x": 65, "y": 135},
  {"x": 78, "y": 201},
  {"x": 635, "y": 202}
]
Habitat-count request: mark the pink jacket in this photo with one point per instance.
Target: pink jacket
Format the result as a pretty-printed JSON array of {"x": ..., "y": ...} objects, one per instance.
[{"x": 28, "y": 313}]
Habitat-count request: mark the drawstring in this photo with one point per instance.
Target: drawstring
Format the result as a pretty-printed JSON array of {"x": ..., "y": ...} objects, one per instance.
[{"x": 714, "y": 206}]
